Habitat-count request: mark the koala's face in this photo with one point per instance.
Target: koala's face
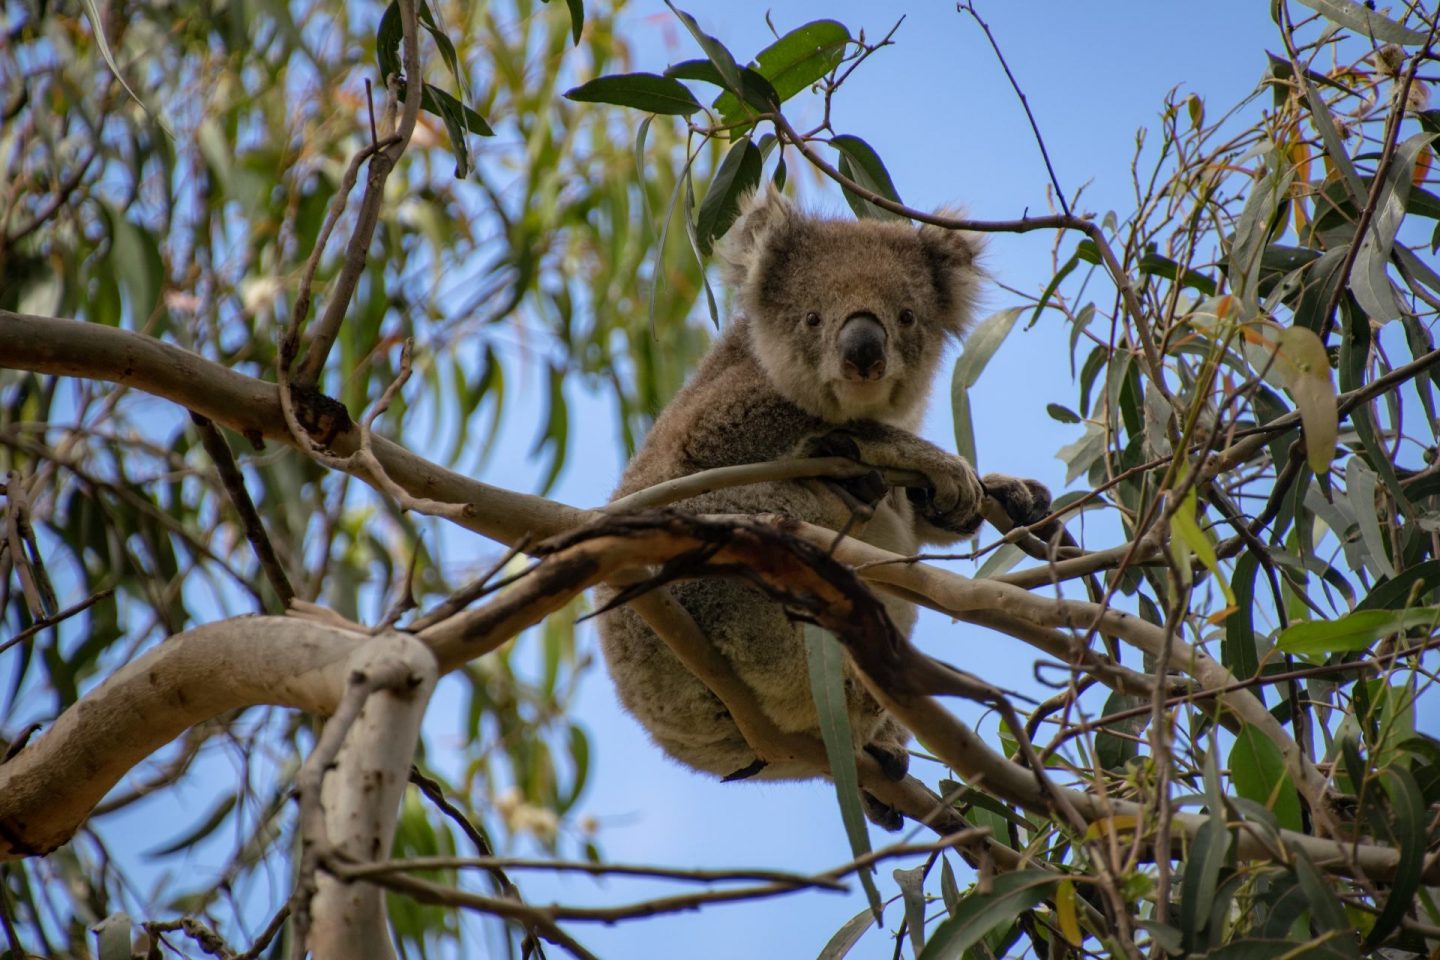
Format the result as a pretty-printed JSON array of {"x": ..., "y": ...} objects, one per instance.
[{"x": 849, "y": 318}]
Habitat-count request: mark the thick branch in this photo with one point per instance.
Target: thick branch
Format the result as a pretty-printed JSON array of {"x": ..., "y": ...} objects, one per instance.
[{"x": 252, "y": 407}]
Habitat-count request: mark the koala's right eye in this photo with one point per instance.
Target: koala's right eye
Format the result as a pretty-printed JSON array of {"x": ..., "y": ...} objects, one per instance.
[{"x": 812, "y": 319}]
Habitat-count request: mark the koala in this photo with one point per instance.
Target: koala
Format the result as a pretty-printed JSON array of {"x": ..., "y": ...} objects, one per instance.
[{"x": 841, "y": 327}]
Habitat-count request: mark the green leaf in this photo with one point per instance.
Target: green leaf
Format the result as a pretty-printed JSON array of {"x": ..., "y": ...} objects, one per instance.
[
  {"x": 826, "y": 660},
  {"x": 444, "y": 44},
  {"x": 912, "y": 893},
  {"x": 137, "y": 264},
  {"x": 1369, "y": 280},
  {"x": 1253, "y": 229},
  {"x": 388, "y": 37},
  {"x": 1061, "y": 413},
  {"x": 981, "y": 344},
  {"x": 860, "y": 162},
  {"x": 1407, "y": 808},
  {"x": 1153, "y": 264},
  {"x": 1112, "y": 751},
  {"x": 450, "y": 110},
  {"x": 847, "y": 936},
  {"x": 1363, "y": 18},
  {"x": 1010, "y": 895},
  {"x": 1360, "y": 493},
  {"x": 577, "y": 18},
  {"x": 1187, "y": 538},
  {"x": 1238, "y": 650},
  {"x": 641, "y": 133},
  {"x": 1353, "y": 632},
  {"x": 690, "y": 233},
  {"x": 97, "y": 30},
  {"x": 1397, "y": 592},
  {"x": 714, "y": 50},
  {"x": 964, "y": 424},
  {"x": 1258, "y": 771},
  {"x": 443, "y": 105},
  {"x": 737, "y": 175},
  {"x": 1208, "y": 852},
  {"x": 1334, "y": 146},
  {"x": 795, "y": 61},
  {"x": 682, "y": 183},
  {"x": 643, "y": 91},
  {"x": 1326, "y": 911},
  {"x": 758, "y": 91},
  {"x": 949, "y": 891},
  {"x": 1354, "y": 359},
  {"x": 1079, "y": 455},
  {"x": 557, "y": 428},
  {"x": 1065, "y": 270}
]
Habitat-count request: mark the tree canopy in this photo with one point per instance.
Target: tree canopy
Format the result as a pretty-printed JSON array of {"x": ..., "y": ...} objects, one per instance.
[{"x": 275, "y": 277}]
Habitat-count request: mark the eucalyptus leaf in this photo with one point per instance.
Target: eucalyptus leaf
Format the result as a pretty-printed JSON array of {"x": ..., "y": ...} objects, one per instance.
[
  {"x": 1364, "y": 18},
  {"x": 860, "y": 162},
  {"x": 795, "y": 61},
  {"x": 1353, "y": 632},
  {"x": 1010, "y": 895},
  {"x": 643, "y": 91},
  {"x": 826, "y": 661}
]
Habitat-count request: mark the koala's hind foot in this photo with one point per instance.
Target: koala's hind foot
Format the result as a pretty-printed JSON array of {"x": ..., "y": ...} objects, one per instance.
[
  {"x": 893, "y": 758},
  {"x": 894, "y": 761},
  {"x": 880, "y": 813},
  {"x": 1025, "y": 501}
]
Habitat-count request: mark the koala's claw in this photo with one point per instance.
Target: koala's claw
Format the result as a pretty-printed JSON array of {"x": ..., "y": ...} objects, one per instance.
[
  {"x": 880, "y": 813},
  {"x": 950, "y": 507},
  {"x": 1025, "y": 501},
  {"x": 746, "y": 772}
]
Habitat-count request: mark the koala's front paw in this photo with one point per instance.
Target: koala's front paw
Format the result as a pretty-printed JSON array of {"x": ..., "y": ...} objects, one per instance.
[
  {"x": 953, "y": 500},
  {"x": 868, "y": 488},
  {"x": 1026, "y": 501}
]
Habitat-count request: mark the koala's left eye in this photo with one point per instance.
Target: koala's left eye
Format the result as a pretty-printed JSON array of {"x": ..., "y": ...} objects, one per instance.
[
  {"x": 812, "y": 319},
  {"x": 907, "y": 318}
]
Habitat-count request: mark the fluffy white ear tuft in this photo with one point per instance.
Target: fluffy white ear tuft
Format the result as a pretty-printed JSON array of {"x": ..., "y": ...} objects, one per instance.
[
  {"x": 954, "y": 256},
  {"x": 763, "y": 214}
]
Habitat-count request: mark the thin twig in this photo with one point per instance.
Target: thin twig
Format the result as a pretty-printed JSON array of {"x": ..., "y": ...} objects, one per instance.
[
  {"x": 327, "y": 328},
  {"x": 50, "y": 621},
  {"x": 1024, "y": 103},
  {"x": 250, "y": 522}
]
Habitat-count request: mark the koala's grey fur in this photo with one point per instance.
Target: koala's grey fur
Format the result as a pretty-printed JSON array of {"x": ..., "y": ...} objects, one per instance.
[{"x": 776, "y": 384}]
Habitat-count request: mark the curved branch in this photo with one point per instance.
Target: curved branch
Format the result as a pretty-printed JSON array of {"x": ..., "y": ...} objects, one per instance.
[
  {"x": 252, "y": 407},
  {"x": 49, "y": 787},
  {"x": 960, "y": 596}
]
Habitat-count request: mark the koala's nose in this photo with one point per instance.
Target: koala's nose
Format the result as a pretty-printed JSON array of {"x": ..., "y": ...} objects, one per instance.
[{"x": 862, "y": 347}]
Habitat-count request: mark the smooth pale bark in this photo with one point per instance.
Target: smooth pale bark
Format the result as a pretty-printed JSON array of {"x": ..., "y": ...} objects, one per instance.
[
  {"x": 361, "y": 794},
  {"x": 252, "y": 407},
  {"x": 49, "y": 787}
]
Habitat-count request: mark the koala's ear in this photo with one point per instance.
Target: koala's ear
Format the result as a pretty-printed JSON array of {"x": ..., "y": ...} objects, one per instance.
[
  {"x": 953, "y": 256},
  {"x": 763, "y": 215}
]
